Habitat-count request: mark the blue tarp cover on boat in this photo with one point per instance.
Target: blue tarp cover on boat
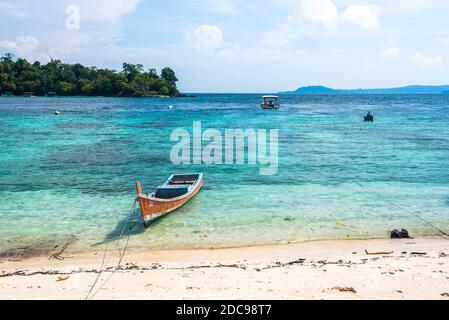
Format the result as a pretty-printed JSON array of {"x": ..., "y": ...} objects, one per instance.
[{"x": 171, "y": 191}]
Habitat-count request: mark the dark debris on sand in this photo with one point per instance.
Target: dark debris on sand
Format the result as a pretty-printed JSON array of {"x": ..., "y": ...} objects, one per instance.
[
  {"x": 345, "y": 289},
  {"x": 49, "y": 248}
]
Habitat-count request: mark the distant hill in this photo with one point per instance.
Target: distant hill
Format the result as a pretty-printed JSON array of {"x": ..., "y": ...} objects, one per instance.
[{"x": 400, "y": 90}]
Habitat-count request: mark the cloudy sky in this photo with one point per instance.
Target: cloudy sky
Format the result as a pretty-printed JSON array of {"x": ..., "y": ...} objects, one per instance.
[{"x": 241, "y": 45}]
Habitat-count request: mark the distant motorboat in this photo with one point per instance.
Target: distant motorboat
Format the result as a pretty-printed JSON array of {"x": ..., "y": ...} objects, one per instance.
[
  {"x": 174, "y": 193},
  {"x": 270, "y": 102}
]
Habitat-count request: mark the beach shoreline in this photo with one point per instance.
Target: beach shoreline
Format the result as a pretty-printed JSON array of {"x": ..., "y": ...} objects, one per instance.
[{"x": 341, "y": 269}]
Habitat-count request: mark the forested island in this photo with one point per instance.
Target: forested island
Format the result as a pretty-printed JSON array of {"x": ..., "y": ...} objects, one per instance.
[{"x": 20, "y": 77}]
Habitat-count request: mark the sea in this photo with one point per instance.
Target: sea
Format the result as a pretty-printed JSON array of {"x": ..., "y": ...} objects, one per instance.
[{"x": 70, "y": 179}]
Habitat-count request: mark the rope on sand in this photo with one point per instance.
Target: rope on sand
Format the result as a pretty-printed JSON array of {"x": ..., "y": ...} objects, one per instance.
[
  {"x": 104, "y": 263},
  {"x": 443, "y": 235}
]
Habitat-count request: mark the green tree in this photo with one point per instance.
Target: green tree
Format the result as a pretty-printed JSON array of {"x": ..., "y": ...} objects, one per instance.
[
  {"x": 132, "y": 70},
  {"x": 170, "y": 76},
  {"x": 65, "y": 88}
]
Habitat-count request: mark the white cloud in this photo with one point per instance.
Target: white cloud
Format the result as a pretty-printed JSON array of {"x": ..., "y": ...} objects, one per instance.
[
  {"x": 390, "y": 52},
  {"x": 206, "y": 37},
  {"x": 69, "y": 43},
  {"x": 317, "y": 11},
  {"x": 364, "y": 16},
  {"x": 93, "y": 12},
  {"x": 8, "y": 44},
  {"x": 100, "y": 20},
  {"x": 23, "y": 43},
  {"x": 326, "y": 13},
  {"x": 423, "y": 61},
  {"x": 25, "y": 47},
  {"x": 11, "y": 10},
  {"x": 106, "y": 11},
  {"x": 208, "y": 43}
]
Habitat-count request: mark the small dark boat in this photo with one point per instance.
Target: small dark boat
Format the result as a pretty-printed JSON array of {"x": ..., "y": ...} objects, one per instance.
[
  {"x": 369, "y": 117},
  {"x": 174, "y": 193}
]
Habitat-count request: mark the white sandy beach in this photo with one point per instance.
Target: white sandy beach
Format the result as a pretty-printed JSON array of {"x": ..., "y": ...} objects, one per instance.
[{"x": 416, "y": 269}]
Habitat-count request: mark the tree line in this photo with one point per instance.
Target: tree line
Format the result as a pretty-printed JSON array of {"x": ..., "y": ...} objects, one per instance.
[{"x": 19, "y": 77}]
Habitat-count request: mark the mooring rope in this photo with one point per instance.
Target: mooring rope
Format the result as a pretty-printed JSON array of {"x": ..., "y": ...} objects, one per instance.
[
  {"x": 443, "y": 235},
  {"x": 122, "y": 255},
  {"x": 103, "y": 263}
]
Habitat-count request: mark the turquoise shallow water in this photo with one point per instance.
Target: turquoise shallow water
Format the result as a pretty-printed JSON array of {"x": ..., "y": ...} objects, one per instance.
[{"x": 72, "y": 176}]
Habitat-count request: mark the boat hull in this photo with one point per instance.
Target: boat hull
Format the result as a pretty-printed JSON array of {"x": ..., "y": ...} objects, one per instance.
[
  {"x": 270, "y": 108},
  {"x": 153, "y": 209}
]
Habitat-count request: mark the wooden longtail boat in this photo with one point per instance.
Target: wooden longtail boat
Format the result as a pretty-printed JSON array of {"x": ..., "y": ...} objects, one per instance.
[{"x": 175, "y": 192}]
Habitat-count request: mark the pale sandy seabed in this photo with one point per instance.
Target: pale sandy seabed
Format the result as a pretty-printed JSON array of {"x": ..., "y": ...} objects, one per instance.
[{"x": 395, "y": 269}]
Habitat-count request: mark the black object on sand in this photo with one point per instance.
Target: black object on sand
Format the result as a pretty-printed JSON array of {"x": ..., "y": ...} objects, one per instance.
[{"x": 403, "y": 234}]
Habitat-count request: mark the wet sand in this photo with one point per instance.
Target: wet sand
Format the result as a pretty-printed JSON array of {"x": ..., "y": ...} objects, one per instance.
[{"x": 345, "y": 269}]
